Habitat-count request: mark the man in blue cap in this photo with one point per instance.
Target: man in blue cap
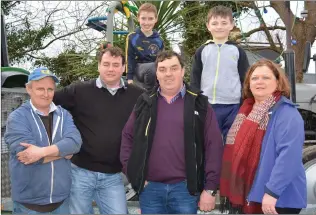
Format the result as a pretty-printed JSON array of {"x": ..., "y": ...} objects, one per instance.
[{"x": 41, "y": 137}]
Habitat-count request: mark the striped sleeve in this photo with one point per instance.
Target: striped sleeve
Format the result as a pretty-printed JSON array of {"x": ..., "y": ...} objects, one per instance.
[{"x": 130, "y": 57}]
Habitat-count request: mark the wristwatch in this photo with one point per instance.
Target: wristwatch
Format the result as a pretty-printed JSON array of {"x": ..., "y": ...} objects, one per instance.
[{"x": 211, "y": 192}]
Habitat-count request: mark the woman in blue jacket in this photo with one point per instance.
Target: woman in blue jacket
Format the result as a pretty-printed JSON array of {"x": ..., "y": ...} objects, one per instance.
[{"x": 262, "y": 168}]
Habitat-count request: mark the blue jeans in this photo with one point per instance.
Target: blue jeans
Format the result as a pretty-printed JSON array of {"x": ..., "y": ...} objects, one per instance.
[
  {"x": 106, "y": 189},
  {"x": 160, "y": 198},
  {"x": 20, "y": 209},
  {"x": 225, "y": 115}
]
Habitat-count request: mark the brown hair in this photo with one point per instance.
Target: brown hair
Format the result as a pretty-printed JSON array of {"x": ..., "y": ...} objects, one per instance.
[
  {"x": 168, "y": 54},
  {"x": 114, "y": 51},
  {"x": 221, "y": 11},
  {"x": 283, "y": 83},
  {"x": 148, "y": 7}
]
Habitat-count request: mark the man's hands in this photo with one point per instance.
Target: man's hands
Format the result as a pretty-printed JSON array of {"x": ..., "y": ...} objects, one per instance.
[
  {"x": 31, "y": 154},
  {"x": 130, "y": 81},
  {"x": 268, "y": 204},
  {"x": 207, "y": 201},
  {"x": 34, "y": 153},
  {"x": 145, "y": 184}
]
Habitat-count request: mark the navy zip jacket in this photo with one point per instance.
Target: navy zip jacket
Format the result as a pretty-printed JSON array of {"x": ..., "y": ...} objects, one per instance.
[{"x": 141, "y": 49}]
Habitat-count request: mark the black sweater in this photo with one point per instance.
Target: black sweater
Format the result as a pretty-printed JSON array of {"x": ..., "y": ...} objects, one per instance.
[{"x": 100, "y": 118}]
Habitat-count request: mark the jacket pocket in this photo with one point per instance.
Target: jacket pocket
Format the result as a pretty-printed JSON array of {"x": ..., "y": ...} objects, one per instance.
[
  {"x": 20, "y": 176},
  {"x": 62, "y": 177}
]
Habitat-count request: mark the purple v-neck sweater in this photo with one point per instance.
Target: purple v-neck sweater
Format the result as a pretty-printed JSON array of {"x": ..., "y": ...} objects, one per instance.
[{"x": 166, "y": 162}]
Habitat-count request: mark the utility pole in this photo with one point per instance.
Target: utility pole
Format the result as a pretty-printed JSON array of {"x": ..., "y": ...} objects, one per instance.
[
  {"x": 4, "y": 45},
  {"x": 289, "y": 55}
]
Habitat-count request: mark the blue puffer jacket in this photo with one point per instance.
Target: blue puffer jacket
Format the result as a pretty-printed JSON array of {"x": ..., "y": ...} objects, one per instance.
[
  {"x": 40, "y": 183},
  {"x": 280, "y": 171}
]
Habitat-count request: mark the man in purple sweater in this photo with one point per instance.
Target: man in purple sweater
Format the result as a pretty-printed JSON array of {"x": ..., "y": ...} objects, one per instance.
[{"x": 172, "y": 147}]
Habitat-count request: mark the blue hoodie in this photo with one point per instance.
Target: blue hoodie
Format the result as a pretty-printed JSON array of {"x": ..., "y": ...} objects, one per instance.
[
  {"x": 141, "y": 49},
  {"x": 280, "y": 171},
  {"x": 40, "y": 183}
]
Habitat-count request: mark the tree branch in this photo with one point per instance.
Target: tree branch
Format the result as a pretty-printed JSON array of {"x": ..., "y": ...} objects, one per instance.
[
  {"x": 32, "y": 56},
  {"x": 281, "y": 9},
  {"x": 50, "y": 15},
  {"x": 263, "y": 24},
  {"x": 261, "y": 28},
  {"x": 50, "y": 42},
  {"x": 251, "y": 48},
  {"x": 280, "y": 43},
  {"x": 12, "y": 5}
]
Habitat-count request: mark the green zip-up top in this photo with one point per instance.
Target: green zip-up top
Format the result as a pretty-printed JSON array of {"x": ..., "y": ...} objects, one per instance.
[{"x": 219, "y": 71}]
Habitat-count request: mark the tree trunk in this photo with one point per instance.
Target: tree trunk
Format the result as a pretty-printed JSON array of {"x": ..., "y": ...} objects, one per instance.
[{"x": 302, "y": 31}]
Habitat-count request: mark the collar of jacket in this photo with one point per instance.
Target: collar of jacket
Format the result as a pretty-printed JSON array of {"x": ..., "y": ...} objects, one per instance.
[
  {"x": 212, "y": 42},
  {"x": 147, "y": 96},
  {"x": 27, "y": 105},
  {"x": 154, "y": 35},
  {"x": 283, "y": 100}
]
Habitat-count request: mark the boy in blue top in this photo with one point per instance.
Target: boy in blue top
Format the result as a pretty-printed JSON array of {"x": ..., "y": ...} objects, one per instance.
[
  {"x": 219, "y": 68},
  {"x": 142, "y": 47}
]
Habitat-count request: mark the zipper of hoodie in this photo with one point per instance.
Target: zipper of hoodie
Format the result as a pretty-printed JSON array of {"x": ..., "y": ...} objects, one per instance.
[
  {"x": 195, "y": 156},
  {"x": 195, "y": 160},
  {"x": 216, "y": 73},
  {"x": 146, "y": 135},
  {"x": 52, "y": 169}
]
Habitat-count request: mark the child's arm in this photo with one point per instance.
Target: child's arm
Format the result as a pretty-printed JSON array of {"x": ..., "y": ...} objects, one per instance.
[
  {"x": 197, "y": 67},
  {"x": 243, "y": 65},
  {"x": 130, "y": 58}
]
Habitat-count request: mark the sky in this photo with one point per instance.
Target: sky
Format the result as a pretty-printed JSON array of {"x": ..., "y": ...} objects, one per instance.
[{"x": 246, "y": 22}]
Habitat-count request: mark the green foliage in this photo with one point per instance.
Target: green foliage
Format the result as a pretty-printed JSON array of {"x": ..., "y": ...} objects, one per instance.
[
  {"x": 119, "y": 41},
  {"x": 23, "y": 39},
  {"x": 168, "y": 12},
  {"x": 71, "y": 66},
  {"x": 168, "y": 18},
  {"x": 195, "y": 33},
  {"x": 6, "y": 6}
]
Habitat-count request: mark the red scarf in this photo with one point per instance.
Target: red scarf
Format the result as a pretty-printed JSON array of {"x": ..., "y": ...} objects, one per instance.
[{"x": 242, "y": 152}]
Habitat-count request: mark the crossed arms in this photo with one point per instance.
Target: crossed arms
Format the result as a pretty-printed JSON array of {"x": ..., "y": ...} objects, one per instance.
[{"x": 22, "y": 143}]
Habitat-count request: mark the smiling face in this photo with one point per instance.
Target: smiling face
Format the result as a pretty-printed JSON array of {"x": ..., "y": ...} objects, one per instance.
[
  {"x": 41, "y": 92},
  {"x": 263, "y": 83},
  {"x": 111, "y": 69},
  {"x": 147, "y": 21},
  {"x": 220, "y": 27},
  {"x": 170, "y": 75}
]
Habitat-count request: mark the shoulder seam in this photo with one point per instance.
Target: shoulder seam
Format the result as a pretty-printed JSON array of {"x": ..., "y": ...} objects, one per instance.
[
  {"x": 208, "y": 41},
  {"x": 131, "y": 33}
]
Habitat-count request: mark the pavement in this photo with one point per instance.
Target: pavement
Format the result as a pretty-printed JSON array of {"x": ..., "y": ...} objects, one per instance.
[{"x": 133, "y": 208}]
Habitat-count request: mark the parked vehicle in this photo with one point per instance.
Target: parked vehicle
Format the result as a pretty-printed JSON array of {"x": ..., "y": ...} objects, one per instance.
[{"x": 306, "y": 99}]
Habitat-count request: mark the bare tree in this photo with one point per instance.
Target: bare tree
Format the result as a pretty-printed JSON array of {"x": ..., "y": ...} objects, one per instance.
[
  {"x": 33, "y": 28},
  {"x": 302, "y": 30}
]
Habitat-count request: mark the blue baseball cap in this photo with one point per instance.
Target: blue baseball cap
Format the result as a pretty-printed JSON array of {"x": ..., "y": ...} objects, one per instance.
[{"x": 40, "y": 73}]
